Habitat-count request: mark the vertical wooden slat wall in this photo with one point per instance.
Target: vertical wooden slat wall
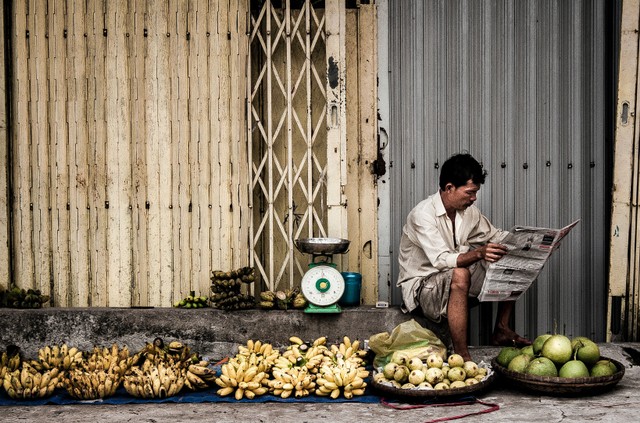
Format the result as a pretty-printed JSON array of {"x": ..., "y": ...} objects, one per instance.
[
  {"x": 361, "y": 131},
  {"x": 4, "y": 161},
  {"x": 129, "y": 162}
]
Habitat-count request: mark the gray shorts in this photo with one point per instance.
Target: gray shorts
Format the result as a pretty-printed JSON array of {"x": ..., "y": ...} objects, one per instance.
[{"x": 433, "y": 294}]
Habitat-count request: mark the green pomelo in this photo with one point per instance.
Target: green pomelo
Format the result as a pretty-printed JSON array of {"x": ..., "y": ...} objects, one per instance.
[
  {"x": 609, "y": 363},
  {"x": 542, "y": 366},
  {"x": 519, "y": 363},
  {"x": 557, "y": 349},
  {"x": 527, "y": 350},
  {"x": 580, "y": 340},
  {"x": 602, "y": 368},
  {"x": 573, "y": 369},
  {"x": 539, "y": 342},
  {"x": 506, "y": 355},
  {"x": 588, "y": 353}
]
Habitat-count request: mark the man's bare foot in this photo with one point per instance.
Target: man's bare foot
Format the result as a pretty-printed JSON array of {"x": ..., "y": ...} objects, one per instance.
[{"x": 509, "y": 339}]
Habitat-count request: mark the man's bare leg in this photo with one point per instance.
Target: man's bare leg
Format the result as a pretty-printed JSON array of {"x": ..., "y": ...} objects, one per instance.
[
  {"x": 458, "y": 311},
  {"x": 502, "y": 333}
]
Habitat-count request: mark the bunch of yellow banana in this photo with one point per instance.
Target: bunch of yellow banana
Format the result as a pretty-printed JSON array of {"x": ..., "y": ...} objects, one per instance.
[
  {"x": 29, "y": 383},
  {"x": 9, "y": 362},
  {"x": 349, "y": 351},
  {"x": 112, "y": 360},
  {"x": 154, "y": 351},
  {"x": 294, "y": 356},
  {"x": 84, "y": 385},
  {"x": 304, "y": 356},
  {"x": 243, "y": 381},
  {"x": 258, "y": 353},
  {"x": 60, "y": 356},
  {"x": 296, "y": 381},
  {"x": 199, "y": 376},
  {"x": 159, "y": 351},
  {"x": 346, "y": 378},
  {"x": 158, "y": 381}
]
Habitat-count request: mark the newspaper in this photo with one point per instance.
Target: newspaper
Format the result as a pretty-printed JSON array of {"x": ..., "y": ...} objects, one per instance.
[{"x": 528, "y": 250}]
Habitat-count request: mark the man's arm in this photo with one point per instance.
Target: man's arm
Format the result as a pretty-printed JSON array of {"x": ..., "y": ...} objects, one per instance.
[{"x": 490, "y": 252}]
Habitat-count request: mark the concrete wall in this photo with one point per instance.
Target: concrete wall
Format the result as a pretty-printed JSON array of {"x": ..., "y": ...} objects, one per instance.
[{"x": 213, "y": 333}]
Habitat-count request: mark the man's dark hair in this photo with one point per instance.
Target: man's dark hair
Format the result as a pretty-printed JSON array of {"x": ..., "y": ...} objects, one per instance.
[{"x": 459, "y": 168}]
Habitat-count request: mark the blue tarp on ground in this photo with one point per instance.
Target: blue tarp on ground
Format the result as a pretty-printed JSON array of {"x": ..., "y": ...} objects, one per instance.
[{"x": 61, "y": 397}]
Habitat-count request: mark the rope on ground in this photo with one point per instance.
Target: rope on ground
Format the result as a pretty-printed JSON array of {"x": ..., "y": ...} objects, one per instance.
[{"x": 491, "y": 407}]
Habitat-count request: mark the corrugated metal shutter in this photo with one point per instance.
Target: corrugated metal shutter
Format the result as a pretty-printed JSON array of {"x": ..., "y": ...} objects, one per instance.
[{"x": 524, "y": 87}]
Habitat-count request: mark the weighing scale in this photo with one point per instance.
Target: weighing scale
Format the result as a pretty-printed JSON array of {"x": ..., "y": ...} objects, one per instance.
[{"x": 322, "y": 285}]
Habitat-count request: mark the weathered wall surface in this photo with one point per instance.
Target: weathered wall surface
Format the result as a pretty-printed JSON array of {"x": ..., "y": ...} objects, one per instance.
[{"x": 212, "y": 333}]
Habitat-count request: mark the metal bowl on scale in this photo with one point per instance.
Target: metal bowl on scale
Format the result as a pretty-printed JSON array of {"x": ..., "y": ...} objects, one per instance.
[{"x": 322, "y": 246}]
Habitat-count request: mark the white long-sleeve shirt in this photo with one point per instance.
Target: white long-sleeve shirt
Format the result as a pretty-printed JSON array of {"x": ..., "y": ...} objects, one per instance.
[{"x": 427, "y": 244}]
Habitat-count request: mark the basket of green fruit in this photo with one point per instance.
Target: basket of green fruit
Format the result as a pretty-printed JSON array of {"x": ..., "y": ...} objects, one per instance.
[
  {"x": 559, "y": 366},
  {"x": 434, "y": 377}
]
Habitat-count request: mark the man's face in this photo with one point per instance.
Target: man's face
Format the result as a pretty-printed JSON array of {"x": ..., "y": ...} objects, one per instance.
[{"x": 463, "y": 196}]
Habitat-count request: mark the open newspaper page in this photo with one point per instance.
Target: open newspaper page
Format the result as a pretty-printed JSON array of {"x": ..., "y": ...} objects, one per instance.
[{"x": 529, "y": 250}]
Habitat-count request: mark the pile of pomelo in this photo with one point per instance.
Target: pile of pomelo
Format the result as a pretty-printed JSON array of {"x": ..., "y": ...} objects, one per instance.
[{"x": 557, "y": 356}]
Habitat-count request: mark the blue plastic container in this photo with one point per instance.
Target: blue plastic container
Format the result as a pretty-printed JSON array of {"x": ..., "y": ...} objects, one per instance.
[{"x": 352, "y": 287}]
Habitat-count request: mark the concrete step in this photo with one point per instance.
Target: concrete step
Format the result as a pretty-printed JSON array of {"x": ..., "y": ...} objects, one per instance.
[{"x": 213, "y": 333}]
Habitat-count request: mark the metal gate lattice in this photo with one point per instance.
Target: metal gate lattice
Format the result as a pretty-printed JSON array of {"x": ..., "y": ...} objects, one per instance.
[{"x": 286, "y": 121}]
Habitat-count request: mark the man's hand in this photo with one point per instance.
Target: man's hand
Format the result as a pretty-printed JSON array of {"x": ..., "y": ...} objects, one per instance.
[{"x": 492, "y": 252}]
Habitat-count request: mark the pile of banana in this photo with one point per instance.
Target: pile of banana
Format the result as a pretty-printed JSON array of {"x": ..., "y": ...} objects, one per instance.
[
  {"x": 159, "y": 380},
  {"x": 296, "y": 381},
  {"x": 161, "y": 370},
  {"x": 86, "y": 385},
  {"x": 241, "y": 379},
  {"x": 62, "y": 357},
  {"x": 182, "y": 366},
  {"x": 200, "y": 376},
  {"x": 114, "y": 360},
  {"x": 344, "y": 377},
  {"x": 192, "y": 301},
  {"x": 99, "y": 374},
  {"x": 346, "y": 373},
  {"x": 282, "y": 300},
  {"x": 226, "y": 287},
  {"x": 29, "y": 383},
  {"x": 21, "y": 298}
]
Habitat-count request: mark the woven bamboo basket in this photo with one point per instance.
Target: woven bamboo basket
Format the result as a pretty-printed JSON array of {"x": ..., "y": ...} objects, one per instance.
[{"x": 558, "y": 386}]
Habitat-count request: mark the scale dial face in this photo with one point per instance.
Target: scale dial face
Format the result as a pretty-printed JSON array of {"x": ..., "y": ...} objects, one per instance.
[{"x": 322, "y": 285}]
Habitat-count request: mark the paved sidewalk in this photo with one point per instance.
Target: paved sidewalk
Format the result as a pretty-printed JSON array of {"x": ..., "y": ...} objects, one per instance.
[{"x": 621, "y": 404}]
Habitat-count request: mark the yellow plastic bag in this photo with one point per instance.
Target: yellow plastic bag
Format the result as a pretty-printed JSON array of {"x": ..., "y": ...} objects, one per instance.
[{"x": 407, "y": 340}]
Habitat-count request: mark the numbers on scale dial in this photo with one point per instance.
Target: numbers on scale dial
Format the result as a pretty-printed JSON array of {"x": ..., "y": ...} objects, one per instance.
[{"x": 322, "y": 285}]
